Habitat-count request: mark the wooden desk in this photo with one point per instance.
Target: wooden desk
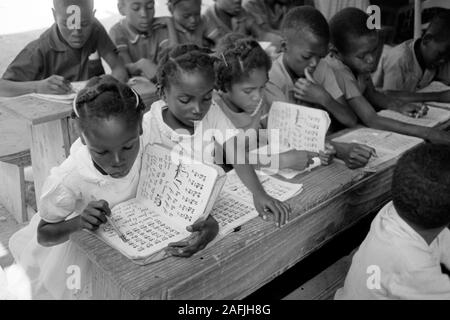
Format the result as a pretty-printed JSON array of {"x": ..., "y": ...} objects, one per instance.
[
  {"x": 334, "y": 198},
  {"x": 50, "y": 130}
]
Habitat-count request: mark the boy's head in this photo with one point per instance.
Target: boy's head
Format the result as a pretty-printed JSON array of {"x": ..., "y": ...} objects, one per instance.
[
  {"x": 305, "y": 39},
  {"x": 138, "y": 13},
  {"x": 186, "y": 13},
  {"x": 74, "y": 19},
  {"x": 354, "y": 43},
  {"x": 435, "y": 45},
  {"x": 232, "y": 7},
  {"x": 421, "y": 186},
  {"x": 109, "y": 114}
]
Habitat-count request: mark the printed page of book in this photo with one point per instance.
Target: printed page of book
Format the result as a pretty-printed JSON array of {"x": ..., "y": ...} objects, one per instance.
[
  {"x": 301, "y": 127},
  {"x": 179, "y": 189},
  {"x": 388, "y": 145},
  {"x": 434, "y": 117},
  {"x": 235, "y": 206},
  {"x": 145, "y": 232},
  {"x": 437, "y": 86}
]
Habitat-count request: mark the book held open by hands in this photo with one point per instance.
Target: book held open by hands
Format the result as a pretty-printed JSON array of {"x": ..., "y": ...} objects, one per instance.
[{"x": 172, "y": 194}]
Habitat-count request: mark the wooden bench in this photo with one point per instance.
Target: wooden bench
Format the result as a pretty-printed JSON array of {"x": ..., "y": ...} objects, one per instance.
[{"x": 14, "y": 157}]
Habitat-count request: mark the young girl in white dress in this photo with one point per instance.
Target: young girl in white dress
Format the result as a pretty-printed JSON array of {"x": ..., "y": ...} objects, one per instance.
[{"x": 102, "y": 171}]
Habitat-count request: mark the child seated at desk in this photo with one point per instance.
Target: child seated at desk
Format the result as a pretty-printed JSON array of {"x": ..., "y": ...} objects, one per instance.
[
  {"x": 188, "y": 120},
  {"x": 414, "y": 64},
  {"x": 102, "y": 171},
  {"x": 226, "y": 16},
  {"x": 409, "y": 239},
  {"x": 62, "y": 54},
  {"x": 189, "y": 25},
  {"x": 242, "y": 73},
  {"x": 354, "y": 58},
  {"x": 305, "y": 41},
  {"x": 268, "y": 14},
  {"x": 141, "y": 38}
]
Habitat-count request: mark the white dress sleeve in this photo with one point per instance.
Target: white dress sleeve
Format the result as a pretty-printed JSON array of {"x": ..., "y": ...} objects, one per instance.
[{"x": 58, "y": 199}]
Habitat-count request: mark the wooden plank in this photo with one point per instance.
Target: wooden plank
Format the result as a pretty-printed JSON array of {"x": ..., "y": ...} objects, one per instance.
[
  {"x": 324, "y": 285},
  {"x": 48, "y": 149},
  {"x": 36, "y": 110},
  {"x": 334, "y": 199},
  {"x": 14, "y": 135},
  {"x": 12, "y": 190}
]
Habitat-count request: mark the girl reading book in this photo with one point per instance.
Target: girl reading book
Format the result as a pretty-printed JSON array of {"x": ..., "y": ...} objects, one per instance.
[
  {"x": 102, "y": 171},
  {"x": 186, "y": 114}
]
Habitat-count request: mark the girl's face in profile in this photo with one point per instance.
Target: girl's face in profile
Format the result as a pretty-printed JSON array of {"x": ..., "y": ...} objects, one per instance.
[
  {"x": 113, "y": 144},
  {"x": 248, "y": 93},
  {"x": 189, "y": 99}
]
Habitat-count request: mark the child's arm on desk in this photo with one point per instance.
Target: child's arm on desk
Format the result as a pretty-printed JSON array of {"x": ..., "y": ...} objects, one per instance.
[
  {"x": 52, "y": 85},
  {"x": 51, "y": 234},
  {"x": 116, "y": 64},
  {"x": 364, "y": 110}
]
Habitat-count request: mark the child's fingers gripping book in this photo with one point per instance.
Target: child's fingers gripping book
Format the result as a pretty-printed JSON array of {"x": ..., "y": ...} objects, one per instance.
[
  {"x": 173, "y": 193},
  {"x": 434, "y": 117},
  {"x": 234, "y": 207}
]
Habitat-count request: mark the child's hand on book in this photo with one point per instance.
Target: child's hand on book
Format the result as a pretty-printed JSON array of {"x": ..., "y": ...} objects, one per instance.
[
  {"x": 53, "y": 85},
  {"x": 271, "y": 209},
  {"x": 326, "y": 156},
  {"x": 413, "y": 110},
  {"x": 354, "y": 155},
  {"x": 297, "y": 159},
  {"x": 204, "y": 231},
  {"x": 94, "y": 215}
]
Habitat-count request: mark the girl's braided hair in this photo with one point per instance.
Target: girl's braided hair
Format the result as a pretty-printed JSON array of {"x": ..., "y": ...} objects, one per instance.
[
  {"x": 186, "y": 58},
  {"x": 105, "y": 97},
  {"x": 237, "y": 61}
]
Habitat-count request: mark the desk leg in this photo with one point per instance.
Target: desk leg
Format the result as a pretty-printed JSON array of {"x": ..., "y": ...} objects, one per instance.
[{"x": 49, "y": 148}]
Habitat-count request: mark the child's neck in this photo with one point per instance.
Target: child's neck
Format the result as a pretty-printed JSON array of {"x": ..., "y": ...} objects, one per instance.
[
  {"x": 224, "y": 16},
  {"x": 174, "y": 123},
  {"x": 427, "y": 234},
  {"x": 419, "y": 55},
  {"x": 230, "y": 104}
]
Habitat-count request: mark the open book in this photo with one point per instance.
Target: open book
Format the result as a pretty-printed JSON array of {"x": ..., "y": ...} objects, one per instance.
[
  {"x": 172, "y": 194},
  {"x": 437, "y": 86},
  {"x": 234, "y": 207},
  {"x": 388, "y": 145},
  {"x": 300, "y": 128},
  {"x": 434, "y": 117}
]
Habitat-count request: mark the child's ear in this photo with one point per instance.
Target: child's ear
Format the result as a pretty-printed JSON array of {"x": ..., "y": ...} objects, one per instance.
[
  {"x": 121, "y": 7},
  {"x": 426, "y": 39},
  {"x": 283, "y": 45},
  {"x": 54, "y": 14},
  {"x": 78, "y": 131},
  {"x": 170, "y": 6}
]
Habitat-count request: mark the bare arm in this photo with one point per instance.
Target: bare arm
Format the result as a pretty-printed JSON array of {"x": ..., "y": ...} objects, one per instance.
[
  {"x": 52, "y": 85},
  {"x": 118, "y": 70}
]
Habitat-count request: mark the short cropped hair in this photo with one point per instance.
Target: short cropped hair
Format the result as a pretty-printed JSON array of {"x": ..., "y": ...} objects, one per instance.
[
  {"x": 348, "y": 24},
  {"x": 308, "y": 18},
  {"x": 439, "y": 27},
  {"x": 421, "y": 186}
]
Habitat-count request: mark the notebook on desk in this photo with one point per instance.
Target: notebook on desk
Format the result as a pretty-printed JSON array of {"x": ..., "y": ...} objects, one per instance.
[
  {"x": 172, "y": 194},
  {"x": 434, "y": 117}
]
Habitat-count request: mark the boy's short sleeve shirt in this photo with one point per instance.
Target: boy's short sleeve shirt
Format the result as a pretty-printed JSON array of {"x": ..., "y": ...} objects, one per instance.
[
  {"x": 280, "y": 86},
  {"x": 350, "y": 86},
  {"x": 401, "y": 71},
  {"x": 139, "y": 46},
  {"x": 50, "y": 55}
]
